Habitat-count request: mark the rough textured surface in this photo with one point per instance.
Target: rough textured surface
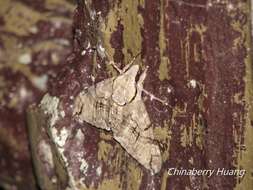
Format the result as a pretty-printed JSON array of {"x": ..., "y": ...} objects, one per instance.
[
  {"x": 252, "y": 18},
  {"x": 199, "y": 60},
  {"x": 35, "y": 37}
]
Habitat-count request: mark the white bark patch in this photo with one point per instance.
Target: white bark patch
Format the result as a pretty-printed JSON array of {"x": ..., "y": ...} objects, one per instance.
[
  {"x": 62, "y": 114},
  {"x": 83, "y": 166},
  {"x": 23, "y": 93},
  {"x": 49, "y": 105},
  {"x": 61, "y": 137},
  {"x": 40, "y": 82},
  {"x": 99, "y": 171},
  {"x": 25, "y": 59},
  {"x": 33, "y": 30},
  {"x": 83, "y": 52},
  {"x": 193, "y": 83}
]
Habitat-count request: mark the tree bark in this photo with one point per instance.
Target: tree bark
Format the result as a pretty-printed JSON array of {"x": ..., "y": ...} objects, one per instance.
[
  {"x": 35, "y": 37},
  {"x": 198, "y": 56}
]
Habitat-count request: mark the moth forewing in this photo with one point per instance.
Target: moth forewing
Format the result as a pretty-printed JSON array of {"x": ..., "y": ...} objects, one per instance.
[
  {"x": 116, "y": 104},
  {"x": 104, "y": 89},
  {"x": 124, "y": 86}
]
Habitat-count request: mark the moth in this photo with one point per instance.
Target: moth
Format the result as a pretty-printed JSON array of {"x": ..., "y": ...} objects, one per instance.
[{"x": 115, "y": 104}]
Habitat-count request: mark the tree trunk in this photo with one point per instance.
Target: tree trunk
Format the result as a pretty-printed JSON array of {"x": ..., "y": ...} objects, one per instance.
[
  {"x": 197, "y": 94},
  {"x": 35, "y": 37}
]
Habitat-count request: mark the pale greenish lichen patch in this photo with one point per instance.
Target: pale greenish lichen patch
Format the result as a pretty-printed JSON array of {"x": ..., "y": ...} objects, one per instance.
[
  {"x": 164, "y": 66},
  {"x": 164, "y": 69},
  {"x": 104, "y": 150},
  {"x": 107, "y": 28},
  {"x": 245, "y": 159},
  {"x": 127, "y": 14},
  {"x": 134, "y": 176},
  {"x": 132, "y": 38}
]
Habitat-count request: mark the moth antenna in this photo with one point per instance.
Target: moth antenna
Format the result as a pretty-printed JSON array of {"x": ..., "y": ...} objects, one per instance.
[
  {"x": 126, "y": 67},
  {"x": 134, "y": 58},
  {"x": 141, "y": 82},
  {"x": 131, "y": 62},
  {"x": 115, "y": 67},
  {"x": 152, "y": 96},
  {"x": 113, "y": 64}
]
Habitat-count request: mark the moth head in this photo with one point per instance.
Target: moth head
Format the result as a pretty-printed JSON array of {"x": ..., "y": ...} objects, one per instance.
[{"x": 124, "y": 86}]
